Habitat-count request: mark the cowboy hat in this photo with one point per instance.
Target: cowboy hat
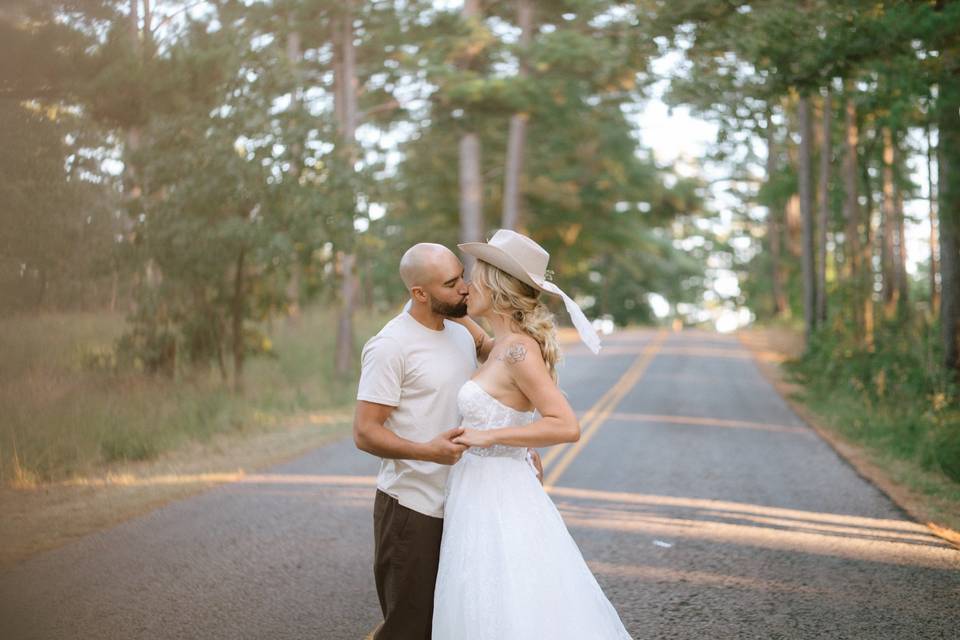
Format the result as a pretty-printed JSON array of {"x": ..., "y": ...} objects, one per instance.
[{"x": 527, "y": 261}]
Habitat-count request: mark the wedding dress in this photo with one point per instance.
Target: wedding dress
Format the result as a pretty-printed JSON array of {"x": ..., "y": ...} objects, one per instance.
[{"x": 509, "y": 569}]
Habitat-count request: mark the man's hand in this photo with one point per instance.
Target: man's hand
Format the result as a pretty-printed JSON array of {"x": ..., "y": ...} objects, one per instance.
[
  {"x": 443, "y": 449},
  {"x": 537, "y": 462},
  {"x": 476, "y": 438}
]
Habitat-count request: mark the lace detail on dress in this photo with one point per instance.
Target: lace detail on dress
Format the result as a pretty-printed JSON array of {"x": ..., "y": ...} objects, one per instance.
[
  {"x": 506, "y": 557},
  {"x": 482, "y": 411}
]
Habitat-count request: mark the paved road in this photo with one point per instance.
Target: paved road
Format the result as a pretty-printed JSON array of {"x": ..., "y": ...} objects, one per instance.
[{"x": 704, "y": 505}]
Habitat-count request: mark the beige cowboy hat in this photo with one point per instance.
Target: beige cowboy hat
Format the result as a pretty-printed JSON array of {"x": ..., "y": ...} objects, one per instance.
[{"x": 527, "y": 261}]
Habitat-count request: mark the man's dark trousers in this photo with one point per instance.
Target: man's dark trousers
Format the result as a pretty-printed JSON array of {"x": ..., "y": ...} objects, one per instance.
[{"x": 406, "y": 557}]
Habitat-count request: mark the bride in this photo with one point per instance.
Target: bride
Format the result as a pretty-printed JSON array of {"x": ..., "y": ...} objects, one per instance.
[{"x": 509, "y": 568}]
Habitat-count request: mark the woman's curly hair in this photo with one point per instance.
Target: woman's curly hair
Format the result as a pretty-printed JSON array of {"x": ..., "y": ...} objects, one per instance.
[{"x": 520, "y": 302}]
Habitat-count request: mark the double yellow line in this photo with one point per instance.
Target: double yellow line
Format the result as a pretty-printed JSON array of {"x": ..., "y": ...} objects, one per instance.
[{"x": 599, "y": 412}]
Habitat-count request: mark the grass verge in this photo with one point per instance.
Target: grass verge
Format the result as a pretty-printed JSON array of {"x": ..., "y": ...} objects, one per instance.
[
  {"x": 81, "y": 449},
  {"x": 880, "y": 453}
]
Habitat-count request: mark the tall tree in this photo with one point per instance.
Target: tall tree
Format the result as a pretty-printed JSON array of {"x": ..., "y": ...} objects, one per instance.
[
  {"x": 948, "y": 105},
  {"x": 513, "y": 170},
  {"x": 903, "y": 289},
  {"x": 888, "y": 226},
  {"x": 774, "y": 227},
  {"x": 471, "y": 180},
  {"x": 346, "y": 110},
  {"x": 823, "y": 204},
  {"x": 804, "y": 171},
  {"x": 932, "y": 208},
  {"x": 857, "y": 249}
]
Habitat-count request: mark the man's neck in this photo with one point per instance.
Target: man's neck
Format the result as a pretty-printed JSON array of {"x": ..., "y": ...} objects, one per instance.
[{"x": 425, "y": 316}]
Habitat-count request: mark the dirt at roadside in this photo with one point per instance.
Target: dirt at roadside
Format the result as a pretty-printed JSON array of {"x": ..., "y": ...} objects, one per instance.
[
  {"x": 770, "y": 347},
  {"x": 47, "y": 516}
]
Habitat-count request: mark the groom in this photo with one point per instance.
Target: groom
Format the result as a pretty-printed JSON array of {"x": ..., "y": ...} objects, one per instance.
[{"x": 406, "y": 414}]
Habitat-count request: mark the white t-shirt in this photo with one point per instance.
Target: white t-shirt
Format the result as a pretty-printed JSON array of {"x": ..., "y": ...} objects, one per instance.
[{"x": 419, "y": 371}]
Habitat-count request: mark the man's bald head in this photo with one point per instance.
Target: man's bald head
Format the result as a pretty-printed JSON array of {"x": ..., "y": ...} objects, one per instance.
[{"x": 426, "y": 263}]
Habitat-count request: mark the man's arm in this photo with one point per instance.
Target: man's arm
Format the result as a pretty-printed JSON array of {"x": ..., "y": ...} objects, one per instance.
[{"x": 370, "y": 435}]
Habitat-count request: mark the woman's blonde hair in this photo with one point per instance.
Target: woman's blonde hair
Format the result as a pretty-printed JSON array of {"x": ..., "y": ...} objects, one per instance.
[{"x": 520, "y": 302}]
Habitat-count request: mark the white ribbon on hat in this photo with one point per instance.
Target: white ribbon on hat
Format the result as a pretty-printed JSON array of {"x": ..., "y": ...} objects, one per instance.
[{"x": 588, "y": 336}]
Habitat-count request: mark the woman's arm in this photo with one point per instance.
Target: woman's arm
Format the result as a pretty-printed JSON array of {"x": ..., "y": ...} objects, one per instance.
[
  {"x": 558, "y": 422},
  {"x": 482, "y": 341}
]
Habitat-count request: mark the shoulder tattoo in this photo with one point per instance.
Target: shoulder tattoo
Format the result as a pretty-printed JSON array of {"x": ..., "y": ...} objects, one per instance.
[{"x": 515, "y": 353}]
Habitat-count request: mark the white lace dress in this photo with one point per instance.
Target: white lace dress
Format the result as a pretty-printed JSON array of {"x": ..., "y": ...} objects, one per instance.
[{"x": 509, "y": 569}]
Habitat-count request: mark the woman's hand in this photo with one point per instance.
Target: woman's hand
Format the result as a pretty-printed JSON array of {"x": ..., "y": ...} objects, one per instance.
[{"x": 475, "y": 438}]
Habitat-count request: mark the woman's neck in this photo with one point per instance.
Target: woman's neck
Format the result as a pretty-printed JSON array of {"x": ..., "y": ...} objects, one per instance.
[{"x": 500, "y": 324}]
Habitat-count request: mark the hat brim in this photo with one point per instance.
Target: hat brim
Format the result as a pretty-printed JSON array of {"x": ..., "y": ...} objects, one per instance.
[{"x": 502, "y": 260}]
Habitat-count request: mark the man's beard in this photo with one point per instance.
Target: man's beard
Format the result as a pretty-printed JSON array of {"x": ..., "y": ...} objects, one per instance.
[{"x": 449, "y": 310}]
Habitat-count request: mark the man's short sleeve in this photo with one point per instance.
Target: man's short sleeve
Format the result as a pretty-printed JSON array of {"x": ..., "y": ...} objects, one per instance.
[{"x": 381, "y": 371}]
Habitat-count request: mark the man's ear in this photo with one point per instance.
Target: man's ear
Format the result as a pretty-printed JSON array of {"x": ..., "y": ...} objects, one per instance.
[{"x": 418, "y": 294}]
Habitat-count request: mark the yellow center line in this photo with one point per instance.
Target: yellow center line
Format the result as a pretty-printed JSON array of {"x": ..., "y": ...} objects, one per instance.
[
  {"x": 585, "y": 422},
  {"x": 602, "y": 410},
  {"x": 597, "y": 409}
]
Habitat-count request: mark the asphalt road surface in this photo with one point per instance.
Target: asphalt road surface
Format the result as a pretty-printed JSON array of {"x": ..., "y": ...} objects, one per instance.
[{"x": 706, "y": 508}]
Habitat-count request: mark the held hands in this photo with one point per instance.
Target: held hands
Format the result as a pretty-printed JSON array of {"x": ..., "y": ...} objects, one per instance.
[
  {"x": 475, "y": 438},
  {"x": 444, "y": 449}
]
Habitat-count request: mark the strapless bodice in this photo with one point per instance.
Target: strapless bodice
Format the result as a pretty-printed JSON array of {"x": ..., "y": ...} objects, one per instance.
[{"x": 480, "y": 410}]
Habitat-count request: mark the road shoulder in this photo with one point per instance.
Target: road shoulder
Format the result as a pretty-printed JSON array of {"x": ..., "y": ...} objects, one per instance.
[
  {"x": 47, "y": 516},
  {"x": 769, "y": 348}
]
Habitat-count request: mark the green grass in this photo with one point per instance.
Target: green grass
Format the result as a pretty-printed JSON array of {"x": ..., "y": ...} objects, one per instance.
[
  {"x": 60, "y": 418},
  {"x": 902, "y": 440}
]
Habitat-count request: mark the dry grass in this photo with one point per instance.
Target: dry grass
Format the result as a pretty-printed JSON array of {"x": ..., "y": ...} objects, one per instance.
[
  {"x": 82, "y": 450},
  {"x": 59, "y": 419}
]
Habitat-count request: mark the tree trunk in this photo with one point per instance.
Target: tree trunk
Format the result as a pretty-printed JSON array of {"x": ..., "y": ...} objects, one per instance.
[
  {"x": 857, "y": 269},
  {"x": 133, "y": 26},
  {"x": 518, "y": 127},
  {"x": 238, "y": 309},
  {"x": 133, "y": 187},
  {"x": 471, "y": 179},
  {"x": 900, "y": 271},
  {"x": 348, "y": 300},
  {"x": 870, "y": 236},
  {"x": 41, "y": 291},
  {"x": 774, "y": 230},
  {"x": 887, "y": 226},
  {"x": 292, "y": 292},
  {"x": 934, "y": 249},
  {"x": 949, "y": 209},
  {"x": 347, "y": 120},
  {"x": 114, "y": 285},
  {"x": 824, "y": 209},
  {"x": 806, "y": 217},
  {"x": 219, "y": 342},
  {"x": 471, "y": 189}
]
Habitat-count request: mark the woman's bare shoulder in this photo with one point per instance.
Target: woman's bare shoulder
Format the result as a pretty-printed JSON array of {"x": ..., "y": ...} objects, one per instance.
[{"x": 519, "y": 347}]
